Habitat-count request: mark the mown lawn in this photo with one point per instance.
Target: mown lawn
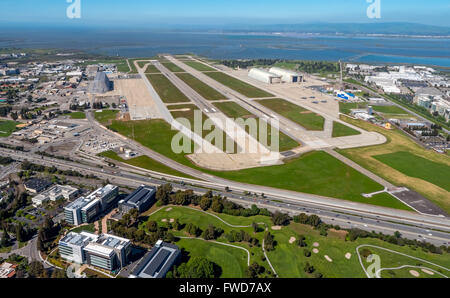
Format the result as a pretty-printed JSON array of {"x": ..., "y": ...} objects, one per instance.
[
  {"x": 145, "y": 162},
  {"x": 400, "y": 142},
  {"x": 105, "y": 117},
  {"x": 172, "y": 67},
  {"x": 345, "y": 108},
  {"x": 199, "y": 66},
  {"x": 7, "y": 128},
  {"x": 389, "y": 110},
  {"x": 238, "y": 85},
  {"x": 234, "y": 111},
  {"x": 166, "y": 90},
  {"x": 316, "y": 172},
  {"x": 151, "y": 69},
  {"x": 341, "y": 130},
  {"x": 418, "y": 167},
  {"x": 77, "y": 115},
  {"x": 201, "y": 88},
  {"x": 301, "y": 116}
]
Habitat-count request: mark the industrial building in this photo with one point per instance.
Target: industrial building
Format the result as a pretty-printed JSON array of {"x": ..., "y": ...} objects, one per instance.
[
  {"x": 101, "y": 84},
  {"x": 264, "y": 76},
  {"x": 55, "y": 193},
  {"x": 287, "y": 76},
  {"x": 37, "y": 185},
  {"x": 141, "y": 199},
  {"x": 158, "y": 261},
  {"x": 105, "y": 251},
  {"x": 85, "y": 209}
]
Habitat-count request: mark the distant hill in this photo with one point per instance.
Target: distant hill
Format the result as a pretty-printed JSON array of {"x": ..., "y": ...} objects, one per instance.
[{"x": 349, "y": 28}]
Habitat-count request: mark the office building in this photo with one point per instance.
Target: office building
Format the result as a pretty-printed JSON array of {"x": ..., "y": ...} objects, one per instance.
[
  {"x": 141, "y": 199},
  {"x": 71, "y": 247},
  {"x": 55, "y": 193},
  {"x": 158, "y": 261}
]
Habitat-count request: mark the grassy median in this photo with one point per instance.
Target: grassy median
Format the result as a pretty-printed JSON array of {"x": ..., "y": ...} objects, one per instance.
[{"x": 238, "y": 85}]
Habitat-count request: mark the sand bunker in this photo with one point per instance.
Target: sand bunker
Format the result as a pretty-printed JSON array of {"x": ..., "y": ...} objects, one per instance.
[
  {"x": 348, "y": 256},
  {"x": 316, "y": 244},
  {"x": 164, "y": 220},
  {"x": 428, "y": 271},
  {"x": 315, "y": 250},
  {"x": 168, "y": 209},
  {"x": 292, "y": 240},
  {"x": 172, "y": 220},
  {"x": 328, "y": 259},
  {"x": 414, "y": 273},
  {"x": 276, "y": 228}
]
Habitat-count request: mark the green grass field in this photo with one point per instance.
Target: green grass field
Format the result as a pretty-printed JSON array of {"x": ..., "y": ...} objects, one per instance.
[
  {"x": 151, "y": 69},
  {"x": 143, "y": 63},
  {"x": 234, "y": 111},
  {"x": 301, "y": 116},
  {"x": 418, "y": 167},
  {"x": 105, "y": 117},
  {"x": 190, "y": 115},
  {"x": 86, "y": 228},
  {"x": 166, "y": 90},
  {"x": 172, "y": 67},
  {"x": 201, "y": 88},
  {"x": 316, "y": 172},
  {"x": 238, "y": 85},
  {"x": 341, "y": 130},
  {"x": 288, "y": 258},
  {"x": 345, "y": 108},
  {"x": 199, "y": 66},
  {"x": 389, "y": 110},
  {"x": 7, "y": 128},
  {"x": 77, "y": 115},
  {"x": 145, "y": 162}
]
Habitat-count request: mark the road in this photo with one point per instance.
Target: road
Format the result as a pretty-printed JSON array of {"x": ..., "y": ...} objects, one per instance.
[{"x": 411, "y": 225}]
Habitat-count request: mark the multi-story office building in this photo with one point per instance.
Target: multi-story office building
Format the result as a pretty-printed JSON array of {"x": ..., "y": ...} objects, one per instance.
[
  {"x": 84, "y": 210},
  {"x": 71, "y": 247},
  {"x": 72, "y": 212},
  {"x": 141, "y": 199},
  {"x": 105, "y": 251}
]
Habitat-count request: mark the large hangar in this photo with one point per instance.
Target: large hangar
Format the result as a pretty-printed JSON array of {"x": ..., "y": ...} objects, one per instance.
[
  {"x": 264, "y": 76},
  {"x": 287, "y": 76}
]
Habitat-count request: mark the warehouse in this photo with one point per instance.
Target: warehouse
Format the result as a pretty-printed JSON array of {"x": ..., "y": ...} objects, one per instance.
[
  {"x": 264, "y": 76},
  {"x": 287, "y": 76}
]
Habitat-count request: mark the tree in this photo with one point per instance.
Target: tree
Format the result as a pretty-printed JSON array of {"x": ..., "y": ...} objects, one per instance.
[
  {"x": 163, "y": 193},
  {"x": 20, "y": 233},
  {"x": 5, "y": 239},
  {"x": 301, "y": 241},
  {"x": 197, "y": 267},
  {"x": 36, "y": 269},
  {"x": 255, "y": 227},
  {"x": 254, "y": 270},
  {"x": 280, "y": 219},
  {"x": 217, "y": 206},
  {"x": 269, "y": 243},
  {"x": 152, "y": 226},
  {"x": 176, "y": 225},
  {"x": 308, "y": 268},
  {"x": 307, "y": 253},
  {"x": 205, "y": 203}
]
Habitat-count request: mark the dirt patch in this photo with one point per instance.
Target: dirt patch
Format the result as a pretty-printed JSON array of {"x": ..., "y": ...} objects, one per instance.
[
  {"x": 340, "y": 234},
  {"x": 276, "y": 228},
  {"x": 328, "y": 259},
  {"x": 414, "y": 273},
  {"x": 348, "y": 256},
  {"x": 315, "y": 250},
  {"x": 306, "y": 112},
  {"x": 292, "y": 240},
  {"x": 427, "y": 271},
  {"x": 316, "y": 244}
]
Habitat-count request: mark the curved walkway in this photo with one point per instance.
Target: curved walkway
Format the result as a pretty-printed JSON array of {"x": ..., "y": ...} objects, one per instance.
[
  {"x": 377, "y": 273},
  {"x": 395, "y": 252}
]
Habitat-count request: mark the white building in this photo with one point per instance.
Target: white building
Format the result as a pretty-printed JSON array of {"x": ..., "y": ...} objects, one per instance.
[
  {"x": 287, "y": 76},
  {"x": 55, "y": 193},
  {"x": 264, "y": 76},
  {"x": 71, "y": 247}
]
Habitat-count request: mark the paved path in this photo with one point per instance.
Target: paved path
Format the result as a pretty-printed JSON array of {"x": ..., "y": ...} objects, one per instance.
[{"x": 268, "y": 261}]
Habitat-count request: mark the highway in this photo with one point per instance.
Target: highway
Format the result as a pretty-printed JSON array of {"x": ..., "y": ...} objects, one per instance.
[{"x": 418, "y": 227}]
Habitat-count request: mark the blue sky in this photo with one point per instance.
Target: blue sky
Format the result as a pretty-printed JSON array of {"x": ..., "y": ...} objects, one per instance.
[{"x": 151, "y": 12}]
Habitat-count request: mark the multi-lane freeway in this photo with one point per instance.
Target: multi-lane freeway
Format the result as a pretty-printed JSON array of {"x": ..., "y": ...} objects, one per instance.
[{"x": 414, "y": 226}]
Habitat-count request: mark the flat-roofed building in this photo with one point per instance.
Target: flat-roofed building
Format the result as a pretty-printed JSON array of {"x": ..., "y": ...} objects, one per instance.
[
  {"x": 158, "y": 261},
  {"x": 37, "y": 185},
  {"x": 107, "y": 195},
  {"x": 71, "y": 247},
  {"x": 56, "y": 192},
  {"x": 72, "y": 212},
  {"x": 90, "y": 210},
  {"x": 141, "y": 199},
  {"x": 108, "y": 252}
]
